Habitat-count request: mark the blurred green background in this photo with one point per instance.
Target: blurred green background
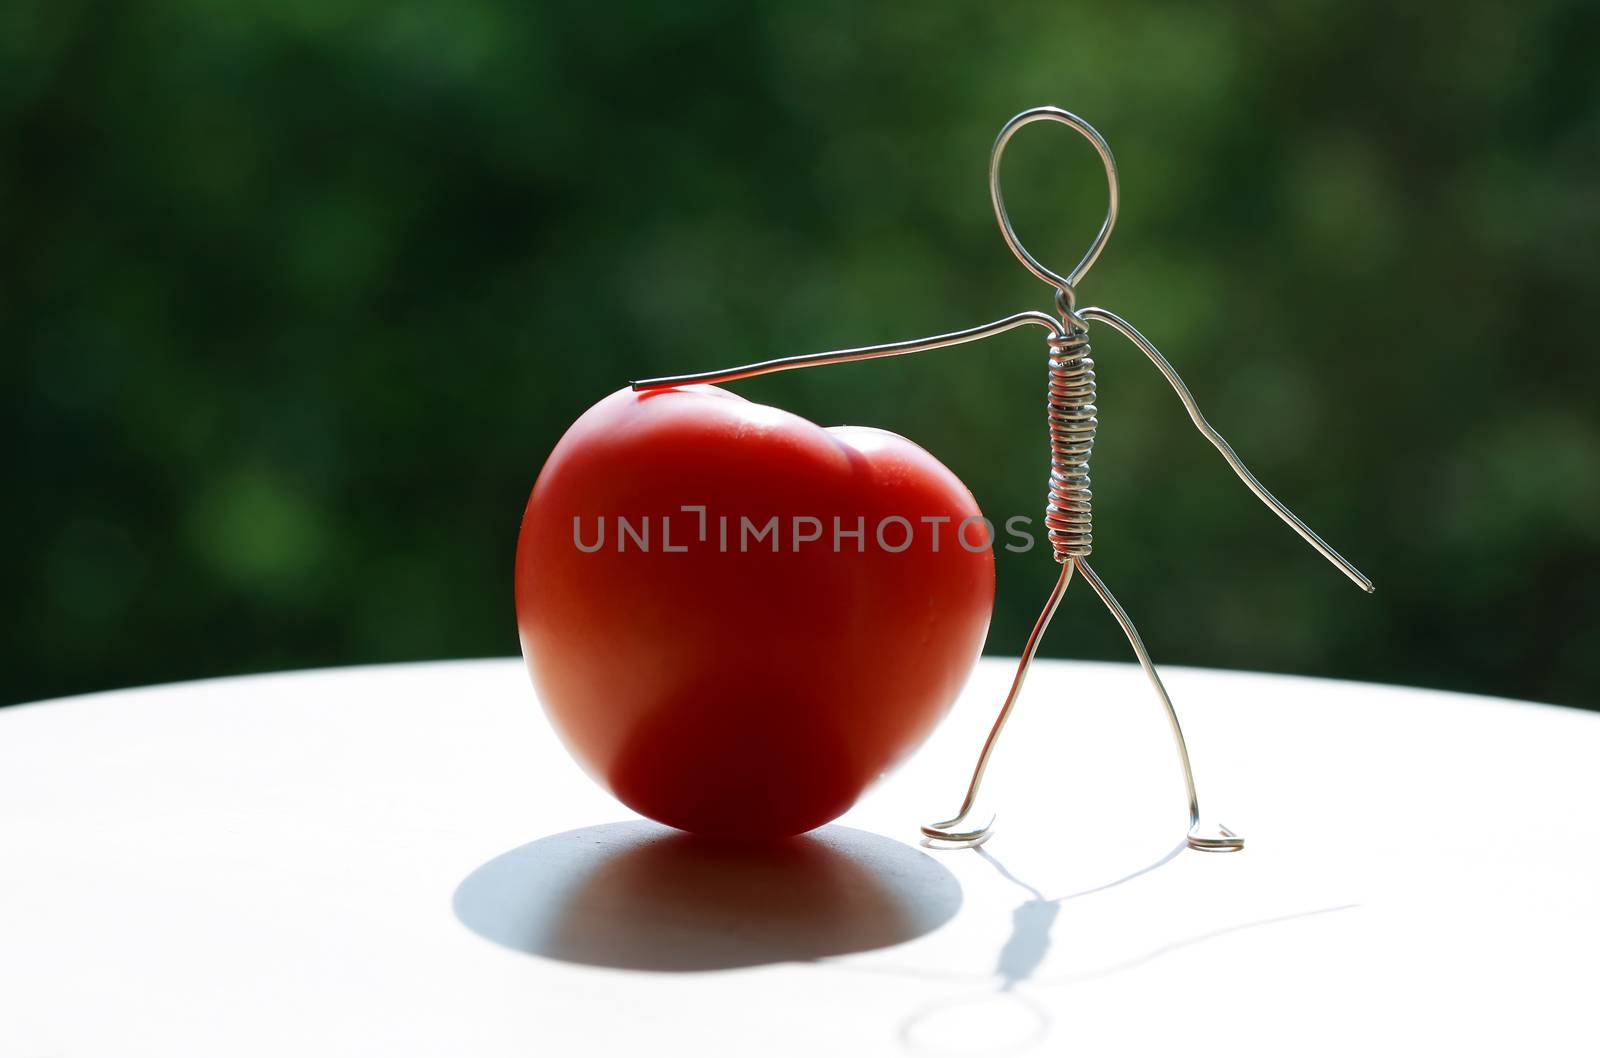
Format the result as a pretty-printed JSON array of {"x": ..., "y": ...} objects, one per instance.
[{"x": 296, "y": 295}]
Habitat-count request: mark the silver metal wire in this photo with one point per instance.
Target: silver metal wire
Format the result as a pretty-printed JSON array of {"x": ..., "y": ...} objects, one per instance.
[
  {"x": 1127, "y": 330},
  {"x": 1069, "y": 505},
  {"x": 959, "y": 831},
  {"x": 1072, "y": 418},
  {"x": 1066, "y": 283},
  {"x": 845, "y": 356}
]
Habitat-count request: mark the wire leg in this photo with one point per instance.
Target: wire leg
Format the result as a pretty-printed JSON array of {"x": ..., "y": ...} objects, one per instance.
[
  {"x": 959, "y": 832},
  {"x": 1203, "y": 836}
]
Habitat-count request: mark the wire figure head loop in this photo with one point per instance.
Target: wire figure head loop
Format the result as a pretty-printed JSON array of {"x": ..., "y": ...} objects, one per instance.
[{"x": 1066, "y": 296}]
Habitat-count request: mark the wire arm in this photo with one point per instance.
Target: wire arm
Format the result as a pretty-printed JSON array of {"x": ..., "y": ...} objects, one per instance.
[
  {"x": 1128, "y": 331},
  {"x": 866, "y": 352}
]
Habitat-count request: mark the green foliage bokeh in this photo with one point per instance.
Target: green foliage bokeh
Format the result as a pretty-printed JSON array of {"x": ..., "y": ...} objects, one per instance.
[{"x": 295, "y": 296}]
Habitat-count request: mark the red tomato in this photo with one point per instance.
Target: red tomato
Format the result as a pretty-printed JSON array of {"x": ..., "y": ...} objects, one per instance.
[{"x": 731, "y": 682}]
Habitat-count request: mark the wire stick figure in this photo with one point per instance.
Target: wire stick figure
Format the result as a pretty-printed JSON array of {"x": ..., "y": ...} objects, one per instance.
[{"x": 1072, "y": 424}]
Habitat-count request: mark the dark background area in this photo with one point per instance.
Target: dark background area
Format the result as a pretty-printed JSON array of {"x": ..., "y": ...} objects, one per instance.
[{"x": 295, "y": 297}]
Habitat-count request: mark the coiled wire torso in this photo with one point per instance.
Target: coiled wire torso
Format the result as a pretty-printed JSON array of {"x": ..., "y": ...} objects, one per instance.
[{"x": 1069, "y": 513}]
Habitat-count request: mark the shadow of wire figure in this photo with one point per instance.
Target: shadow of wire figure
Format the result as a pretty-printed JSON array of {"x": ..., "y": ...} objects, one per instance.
[
  {"x": 1020, "y": 957},
  {"x": 1032, "y": 935},
  {"x": 1072, "y": 421}
]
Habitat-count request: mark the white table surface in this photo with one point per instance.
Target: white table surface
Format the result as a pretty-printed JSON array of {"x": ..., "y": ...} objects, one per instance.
[{"x": 402, "y": 861}]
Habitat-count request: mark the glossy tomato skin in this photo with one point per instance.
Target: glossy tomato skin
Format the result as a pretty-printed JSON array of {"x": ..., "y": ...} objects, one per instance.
[{"x": 725, "y": 688}]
